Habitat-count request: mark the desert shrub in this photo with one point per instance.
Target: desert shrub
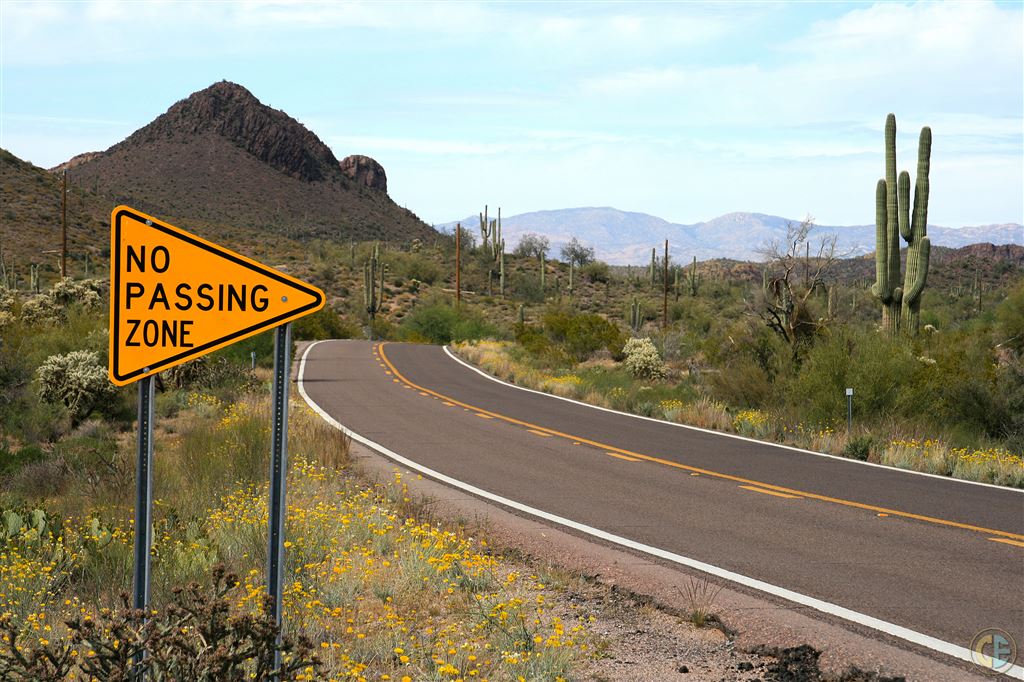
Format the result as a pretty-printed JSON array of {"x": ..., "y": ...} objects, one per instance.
[
  {"x": 859, "y": 447},
  {"x": 537, "y": 344},
  {"x": 741, "y": 383},
  {"x": 325, "y": 323},
  {"x": 1010, "y": 319},
  {"x": 197, "y": 636},
  {"x": 241, "y": 352},
  {"x": 596, "y": 271},
  {"x": 11, "y": 462},
  {"x": 441, "y": 323},
  {"x": 879, "y": 370},
  {"x": 423, "y": 270},
  {"x": 1010, "y": 391},
  {"x": 642, "y": 359},
  {"x": 77, "y": 380},
  {"x": 212, "y": 371},
  {"x": 956, "y": 387},
  {"x": 526, "y": 287},
  {"x": 582, "y": 334}
]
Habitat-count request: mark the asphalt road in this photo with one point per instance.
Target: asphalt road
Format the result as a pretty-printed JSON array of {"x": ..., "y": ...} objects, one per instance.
[{"x": 941, "y": 557}]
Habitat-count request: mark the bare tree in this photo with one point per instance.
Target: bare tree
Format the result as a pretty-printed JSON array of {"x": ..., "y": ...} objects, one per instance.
[{"x": 794, "y": 272}]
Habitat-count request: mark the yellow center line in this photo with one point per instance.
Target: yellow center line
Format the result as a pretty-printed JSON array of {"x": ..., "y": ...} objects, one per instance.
[
  {"x": 707, "y": 472},
  {"x": 628, "y": 459},
  {"x": 769, "y": 492},
  {"x": 485, "y": 416},
  {"x": 539, "y": 433},
  {"x": 1008, "y": 541}
]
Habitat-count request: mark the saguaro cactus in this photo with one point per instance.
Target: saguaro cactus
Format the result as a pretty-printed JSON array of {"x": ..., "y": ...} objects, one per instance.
[
  {"x": 694, "y": 278},
  {"x": 636, "y": 316},
  {"x": 653, "y": 268},
  {"x": 373, "y": 284},
  {"x": 901, "y": 306},
  {"x": 501, "y": 269}
]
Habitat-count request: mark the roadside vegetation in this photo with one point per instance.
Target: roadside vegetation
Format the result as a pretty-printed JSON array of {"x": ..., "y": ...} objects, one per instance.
[{"x": 374, "y": 589}]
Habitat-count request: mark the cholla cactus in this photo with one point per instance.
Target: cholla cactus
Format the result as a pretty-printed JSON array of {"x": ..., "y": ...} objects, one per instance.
[
  {"x": 51, "y": 307},
  {"x": 642, "y": 359},
  {"x": 77, "y": 380},
  {"x": 84, "y": 292}
]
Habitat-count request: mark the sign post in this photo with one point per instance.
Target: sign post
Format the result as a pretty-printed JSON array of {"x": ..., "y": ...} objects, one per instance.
[
  {"x": 175, "y": 296},
  {"x": 849, "y": 410},
  {"x": 278, "y": 476},
  {"x": 143, "y": 503}
]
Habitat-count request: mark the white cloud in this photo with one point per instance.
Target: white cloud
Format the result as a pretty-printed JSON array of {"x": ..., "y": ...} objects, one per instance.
[{"x": 961, "y": 58}]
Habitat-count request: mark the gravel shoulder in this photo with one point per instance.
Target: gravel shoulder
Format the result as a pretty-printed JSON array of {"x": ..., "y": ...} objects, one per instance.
[{"x": 640, "y": 605}]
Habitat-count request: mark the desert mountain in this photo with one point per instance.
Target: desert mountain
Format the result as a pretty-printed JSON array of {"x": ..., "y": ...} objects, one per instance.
[
  {"x": 221, "y": 158},
  {"x": 622, "y": 237}
]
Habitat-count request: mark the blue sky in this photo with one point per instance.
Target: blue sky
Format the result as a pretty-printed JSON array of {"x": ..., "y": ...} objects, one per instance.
[{"x": 682, "y": 110}]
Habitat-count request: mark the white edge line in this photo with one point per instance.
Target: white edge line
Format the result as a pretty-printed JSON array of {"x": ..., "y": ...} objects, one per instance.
[
  {"x": 728, "y": 435},
  {"x": 892, "y": 629}
]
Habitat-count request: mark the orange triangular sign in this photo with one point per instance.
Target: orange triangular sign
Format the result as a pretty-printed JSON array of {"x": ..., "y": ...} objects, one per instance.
[{"x": 175, "y": 296}]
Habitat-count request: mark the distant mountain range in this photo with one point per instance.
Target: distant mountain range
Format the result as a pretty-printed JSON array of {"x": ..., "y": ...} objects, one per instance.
[{"x": 621, "y": 237}]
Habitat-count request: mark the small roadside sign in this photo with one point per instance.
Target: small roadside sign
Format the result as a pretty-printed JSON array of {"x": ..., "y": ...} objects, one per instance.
[{"x": 176, "y": 296}]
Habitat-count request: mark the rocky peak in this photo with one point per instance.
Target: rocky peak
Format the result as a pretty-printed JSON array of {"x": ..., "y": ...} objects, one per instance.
[
  {"x": 229, "y": 110},
  {"x": 365, "y": 171},
  {"x": 76, "y": 160}
]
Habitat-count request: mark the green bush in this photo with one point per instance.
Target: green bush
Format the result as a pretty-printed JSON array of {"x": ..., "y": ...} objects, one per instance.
[
  {"x": 10, "y": 462},
  {"x": 859, "y": 447},
  {"x": 1010, "y": 319},
  {"x": 537, "y": 344},
  {"x": 879, "y": 369},
  {"x": 582, "y": 334},
  {"x": 212, "y": 372},
  {"x": 441, "y": 323},
  {"x": 241, "y": 352},
  {"x": 324, "y": 324},
  {"x": 595, "y": 272}
]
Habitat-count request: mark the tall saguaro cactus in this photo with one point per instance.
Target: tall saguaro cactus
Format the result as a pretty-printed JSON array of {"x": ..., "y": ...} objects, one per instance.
[
  {"x": 901, "y": 305},
  {"x": 373, "y": 291}
]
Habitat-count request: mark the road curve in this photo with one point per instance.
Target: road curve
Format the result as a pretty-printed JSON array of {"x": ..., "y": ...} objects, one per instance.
[{"x": 936, "y": 556}]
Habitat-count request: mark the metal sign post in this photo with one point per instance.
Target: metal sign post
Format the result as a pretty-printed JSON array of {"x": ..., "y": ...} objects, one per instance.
[
  {"x": 175, "y": 296},
  {"x": 278, "y": 477},
  {"x": 849, "y": 410},
  {"x": 143, "y": 501}
]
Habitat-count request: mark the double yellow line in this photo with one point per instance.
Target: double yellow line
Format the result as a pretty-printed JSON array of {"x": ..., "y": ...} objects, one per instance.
[{"x": 1011, "y": 538}]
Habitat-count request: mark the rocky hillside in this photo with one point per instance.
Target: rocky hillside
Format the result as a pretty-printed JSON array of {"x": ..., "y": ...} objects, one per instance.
[
  {"x": 30, "y": 222},
  {"x": 221, "y": 158}
]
